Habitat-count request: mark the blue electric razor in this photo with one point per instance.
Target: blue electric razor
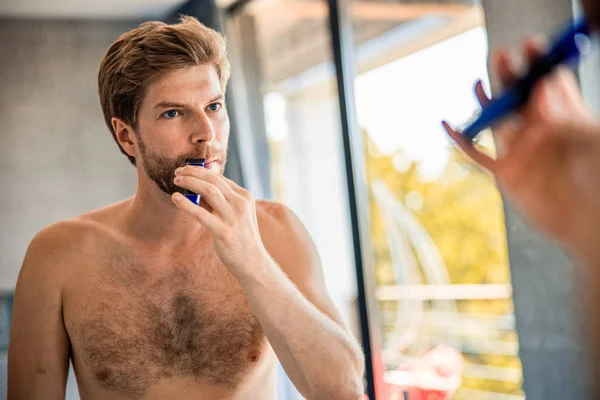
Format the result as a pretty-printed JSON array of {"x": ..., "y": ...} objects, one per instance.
[
  {"x": 567, "y": 48},
  {"x": 194, "y": 162}
]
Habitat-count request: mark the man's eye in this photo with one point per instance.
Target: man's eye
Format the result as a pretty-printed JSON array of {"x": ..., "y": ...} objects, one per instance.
[
  {"x": 214, "y": 107},
  {"x": 171, "y": 114}
]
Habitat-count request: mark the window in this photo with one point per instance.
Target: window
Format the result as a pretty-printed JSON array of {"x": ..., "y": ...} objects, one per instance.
[
  {"x": 437, "y": 231},
  {"x": 286, "y": 76},
  {"x": 437, "y": 225},
  {"x": 295, "y": 78}
]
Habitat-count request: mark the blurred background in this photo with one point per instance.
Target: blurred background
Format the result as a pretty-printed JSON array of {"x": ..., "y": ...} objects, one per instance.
[{"x": 336, "y": 108}]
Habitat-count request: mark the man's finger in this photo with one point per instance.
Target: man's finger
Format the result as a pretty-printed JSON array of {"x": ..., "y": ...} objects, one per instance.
[
  {"x": 480, "y": 158},
  {"x": 242, "y": 192},
  {"x": 505, "y": 68},
  {"x": 482, "y": 96},
  {"x": 207, "y": 219},
  {"x": 533, "y": 48},
  {"x": 567, "y": 85},
  {"x": 209, "y": 192},
  {"x": 207, "y": 176}
]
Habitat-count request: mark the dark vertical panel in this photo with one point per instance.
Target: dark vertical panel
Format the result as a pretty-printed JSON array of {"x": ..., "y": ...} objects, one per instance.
[
  {"x": 254, "y": 104},
  {"x": 343, "y": 48},
  {"x": 546, "y": 294}
]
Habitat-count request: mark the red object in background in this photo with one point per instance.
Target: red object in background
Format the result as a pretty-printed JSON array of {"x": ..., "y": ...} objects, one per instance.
[{"x": 435, "y": 376}]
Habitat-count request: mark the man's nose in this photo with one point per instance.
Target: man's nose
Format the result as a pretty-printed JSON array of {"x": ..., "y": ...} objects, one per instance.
[{"x": 203, "y": 129}]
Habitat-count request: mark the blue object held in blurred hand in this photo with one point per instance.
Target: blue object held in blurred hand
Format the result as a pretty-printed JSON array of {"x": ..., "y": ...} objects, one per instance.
[{"x": 567, "y": 48}]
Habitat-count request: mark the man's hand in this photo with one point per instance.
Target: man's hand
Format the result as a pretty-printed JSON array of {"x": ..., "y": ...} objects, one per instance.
[
  {"x": 289, "y": 296},
  {"x": 232, "y": 222},
  {"x": 548, "y": 162}
]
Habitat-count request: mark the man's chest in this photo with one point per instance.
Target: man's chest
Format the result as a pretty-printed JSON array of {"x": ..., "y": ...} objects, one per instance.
[{"x": 132, "y": 324}]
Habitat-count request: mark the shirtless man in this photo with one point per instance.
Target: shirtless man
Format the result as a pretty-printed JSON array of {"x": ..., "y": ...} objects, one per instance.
[{"x": 157, "y": 298}]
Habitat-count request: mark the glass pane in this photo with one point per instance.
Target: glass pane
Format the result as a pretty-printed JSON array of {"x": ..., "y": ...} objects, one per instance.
[
  {"x": 283, "y": 49},
  {"x": 437, "y": 225}
]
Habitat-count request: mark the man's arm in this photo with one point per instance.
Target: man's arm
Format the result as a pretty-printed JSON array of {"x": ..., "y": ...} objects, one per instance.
[
  {"x": 547, "y": 166},
  {"x": 301, "y": 322},
  {"x": 38, "y": 354},
  {"x": 320, "y": 357}
]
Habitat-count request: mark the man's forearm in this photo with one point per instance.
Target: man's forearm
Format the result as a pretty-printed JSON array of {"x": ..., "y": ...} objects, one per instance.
[{"x": 320, "y": 357}]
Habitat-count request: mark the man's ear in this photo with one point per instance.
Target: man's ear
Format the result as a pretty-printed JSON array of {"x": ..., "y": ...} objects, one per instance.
[{"x": 125, "y": 135}]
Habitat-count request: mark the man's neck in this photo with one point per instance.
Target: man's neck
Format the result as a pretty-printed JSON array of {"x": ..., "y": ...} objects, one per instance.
[{"x": 152, "y": 217}]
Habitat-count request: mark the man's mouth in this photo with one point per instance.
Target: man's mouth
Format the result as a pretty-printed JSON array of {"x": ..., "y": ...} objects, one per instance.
[{"x": 210, "y": 163}]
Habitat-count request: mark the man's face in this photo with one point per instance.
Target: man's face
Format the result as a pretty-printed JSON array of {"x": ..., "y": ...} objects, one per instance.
[{"x": 182, "y": 116}]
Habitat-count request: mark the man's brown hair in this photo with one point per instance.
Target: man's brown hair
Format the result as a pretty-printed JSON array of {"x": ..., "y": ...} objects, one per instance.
[{"x": 139, "y": 57}]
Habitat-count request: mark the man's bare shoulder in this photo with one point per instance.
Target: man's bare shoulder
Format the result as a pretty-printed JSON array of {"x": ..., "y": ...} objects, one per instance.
[
  {"x": 72, "y": 236},
  {"x": 276, "y": 218},
  {"x": 284, "y": 235},
  {"x": 50, "y": 254},
  {"x": 61, "y": 236}
]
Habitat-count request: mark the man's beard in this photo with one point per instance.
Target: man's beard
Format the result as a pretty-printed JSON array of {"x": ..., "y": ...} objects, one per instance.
[{"x": 161, "y": 169}]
